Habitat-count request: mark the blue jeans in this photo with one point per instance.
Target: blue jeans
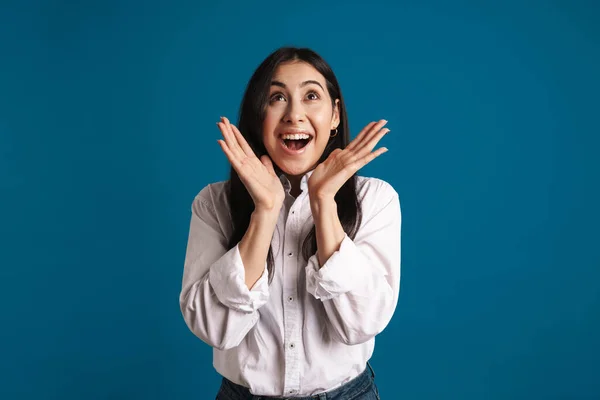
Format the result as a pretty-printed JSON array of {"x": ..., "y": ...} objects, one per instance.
[{"x": 362, "y": 387}]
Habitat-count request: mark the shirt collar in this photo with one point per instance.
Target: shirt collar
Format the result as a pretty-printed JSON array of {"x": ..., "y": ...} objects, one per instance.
[{"x": 287, "y": 186}]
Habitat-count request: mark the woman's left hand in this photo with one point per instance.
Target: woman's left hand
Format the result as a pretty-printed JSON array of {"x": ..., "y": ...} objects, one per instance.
[{"x": 330, "y": 175}]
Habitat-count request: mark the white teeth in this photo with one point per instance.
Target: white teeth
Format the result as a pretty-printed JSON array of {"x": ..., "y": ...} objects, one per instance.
[{"x": 297, "y": 136}]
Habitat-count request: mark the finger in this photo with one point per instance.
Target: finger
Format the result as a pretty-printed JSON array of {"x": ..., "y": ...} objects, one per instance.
[
  {"x": 266, "y": 161},
  {"x": 236, "y": 145},
  {"x": 369, "y": 143},
  {"x": 358, "y": 137},
  {"x": 365, "y": 133},
  {"x": 361, "y": 162},
  {"x": 242, "y": 141},
  {"x": 226, "y": 136},
  {"x": 230, "y": 156},
  {"x": 230, "y": 138},
  {"x": 369, "y": 134}
]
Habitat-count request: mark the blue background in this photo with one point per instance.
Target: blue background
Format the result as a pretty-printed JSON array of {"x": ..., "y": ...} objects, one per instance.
[{"x": 107, "y": 132}]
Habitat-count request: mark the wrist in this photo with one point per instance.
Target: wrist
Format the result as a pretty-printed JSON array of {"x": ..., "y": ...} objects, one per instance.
[
  {"x": 265, "y": 215},
  {"x": 324, "y": 204}
]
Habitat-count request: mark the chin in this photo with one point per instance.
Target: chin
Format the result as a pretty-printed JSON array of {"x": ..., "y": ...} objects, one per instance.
[{"x": 295, "y": 170}]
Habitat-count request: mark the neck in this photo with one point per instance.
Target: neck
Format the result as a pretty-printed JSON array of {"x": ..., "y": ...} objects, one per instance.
[{"x": 295, "y": 182}]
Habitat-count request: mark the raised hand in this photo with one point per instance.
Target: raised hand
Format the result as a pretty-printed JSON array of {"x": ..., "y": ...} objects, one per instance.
[
  {"x": 329, "y": 176},
  {"x": 258, "y": 176}
]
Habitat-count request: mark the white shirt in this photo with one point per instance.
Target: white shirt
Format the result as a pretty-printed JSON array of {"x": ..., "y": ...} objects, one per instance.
[{"x": 311, "y": 330}]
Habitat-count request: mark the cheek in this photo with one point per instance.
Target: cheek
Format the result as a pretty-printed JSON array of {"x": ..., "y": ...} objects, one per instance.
[
  {"x": 321, "y": 121},
  {"x": 323, "y": 139},
  {"x": 269, "y": 141},
  {"x": 268, "y": 127},
  {"x": 321, "y": 116}
]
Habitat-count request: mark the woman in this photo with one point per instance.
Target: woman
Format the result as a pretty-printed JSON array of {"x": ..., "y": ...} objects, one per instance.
[{"x": 293, "y": 264}]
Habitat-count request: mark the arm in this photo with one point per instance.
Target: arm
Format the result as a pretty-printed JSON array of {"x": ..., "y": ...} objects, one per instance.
[
  {"x": 254, "y": 246},
  {"x": 328, "y": 228},
  {"x": 359, "y": 281},
  {"x": 222, "y": 289}
]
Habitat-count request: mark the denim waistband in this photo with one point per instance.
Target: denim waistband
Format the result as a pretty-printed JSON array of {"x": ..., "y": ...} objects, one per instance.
[{"x": 355, "y": 386}]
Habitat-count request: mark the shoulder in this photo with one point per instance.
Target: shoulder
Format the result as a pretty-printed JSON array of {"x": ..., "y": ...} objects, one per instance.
[
  {"x": 376, "y": 195},
  {"x": 210, "y": 209},
  {"x": 368, "y": 188},
  {"x": 214, "y": 196}
]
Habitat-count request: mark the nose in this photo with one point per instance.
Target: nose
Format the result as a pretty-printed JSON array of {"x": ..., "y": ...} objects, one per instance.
[{"x": 295, "y": 112}]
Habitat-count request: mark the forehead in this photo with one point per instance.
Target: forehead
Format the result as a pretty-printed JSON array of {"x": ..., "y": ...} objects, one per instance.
[{"x": 294, "y": 73}]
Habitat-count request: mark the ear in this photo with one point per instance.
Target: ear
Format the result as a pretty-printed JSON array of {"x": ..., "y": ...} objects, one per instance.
[{"x": 335, "y": 118}]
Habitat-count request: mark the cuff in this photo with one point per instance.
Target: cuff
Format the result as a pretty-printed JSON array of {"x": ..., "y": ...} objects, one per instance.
[
  {"x": 342, "y": 272},
  {"x": 227, "y": 278}
]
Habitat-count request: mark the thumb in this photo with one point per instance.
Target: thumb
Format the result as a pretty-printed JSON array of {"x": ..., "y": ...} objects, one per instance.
[
  {"x": 335, "y": 151},
  {"x": 266, "y": 161}
]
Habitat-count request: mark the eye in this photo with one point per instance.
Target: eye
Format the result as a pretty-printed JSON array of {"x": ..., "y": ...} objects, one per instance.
[
  {"x": 312, "y": 96},
  {"x": 276, "y": 97}
]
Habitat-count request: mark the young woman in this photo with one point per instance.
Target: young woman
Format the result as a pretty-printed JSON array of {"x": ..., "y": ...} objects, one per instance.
[{"x": 293, "y": 264}]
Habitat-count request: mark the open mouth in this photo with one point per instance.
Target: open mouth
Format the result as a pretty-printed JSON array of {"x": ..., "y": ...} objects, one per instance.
[{"x": 296, "y": 142}]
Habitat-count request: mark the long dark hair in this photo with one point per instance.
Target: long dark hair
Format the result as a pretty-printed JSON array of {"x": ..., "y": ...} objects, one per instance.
[{"x": 250, "y": 121}]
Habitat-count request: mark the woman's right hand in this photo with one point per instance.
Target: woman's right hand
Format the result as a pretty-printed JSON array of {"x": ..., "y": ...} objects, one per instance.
[{"x": 258, "y": 176}]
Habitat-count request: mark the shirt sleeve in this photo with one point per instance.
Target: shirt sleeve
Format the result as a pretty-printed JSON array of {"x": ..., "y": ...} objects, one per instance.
[
  {"x": 215, "y": 302},
  {"x": 359, "y": 284}
]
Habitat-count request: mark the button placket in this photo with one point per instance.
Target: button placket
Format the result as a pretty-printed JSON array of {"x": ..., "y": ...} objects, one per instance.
[{"x": 292, "y": 317}]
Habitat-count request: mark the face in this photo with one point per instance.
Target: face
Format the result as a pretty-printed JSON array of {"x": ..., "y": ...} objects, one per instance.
[{"x": 299, "y": 118}]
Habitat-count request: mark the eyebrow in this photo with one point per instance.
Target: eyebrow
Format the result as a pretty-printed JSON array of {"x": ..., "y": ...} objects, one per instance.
[{"x": 281, "y": 84}]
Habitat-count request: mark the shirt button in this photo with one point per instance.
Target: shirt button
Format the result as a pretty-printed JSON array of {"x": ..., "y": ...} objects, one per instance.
[
  {"x": 289, "y": 254},
  {"x": 292, "y": 346},
  {"x": 290, "y": 298}
]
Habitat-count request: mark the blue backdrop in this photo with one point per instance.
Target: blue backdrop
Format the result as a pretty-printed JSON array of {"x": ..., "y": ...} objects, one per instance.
[{"x": 107, "y": 132}]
